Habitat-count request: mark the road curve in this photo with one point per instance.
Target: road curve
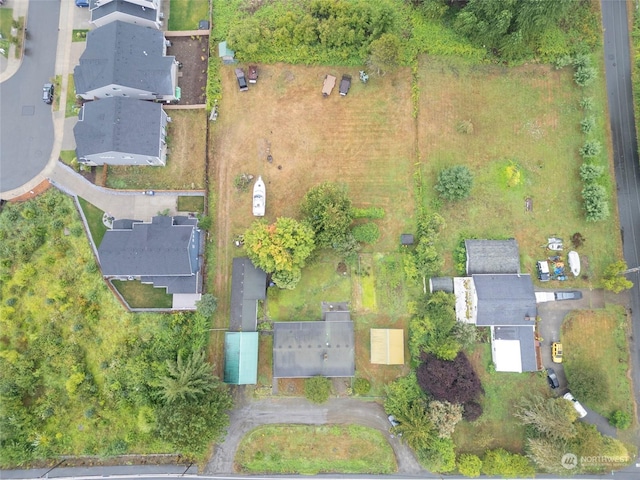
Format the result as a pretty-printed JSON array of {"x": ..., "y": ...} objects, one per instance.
[{"x": 300, "y": 411}]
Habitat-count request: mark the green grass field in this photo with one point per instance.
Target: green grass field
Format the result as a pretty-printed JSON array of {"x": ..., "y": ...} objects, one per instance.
[
  {"x": 142, "y": 295},
  {"x": 185, "y": 14},
  {"x": 72, "y": 108},
  {"x": 585, "y": 347},
  {"x": 94, "y": 219},
  {"x": 191, "y": 204},
  {"x": 310, "y": 450}
]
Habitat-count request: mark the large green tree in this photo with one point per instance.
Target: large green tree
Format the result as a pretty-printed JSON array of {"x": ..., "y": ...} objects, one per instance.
[
  {"x": 385, "y": 53},
  {"x": 327, "y": 208},
  {"x": 552, "y": 417},
  {"x": 280, "y": 248},
  {"x": 188, "y": 379}
]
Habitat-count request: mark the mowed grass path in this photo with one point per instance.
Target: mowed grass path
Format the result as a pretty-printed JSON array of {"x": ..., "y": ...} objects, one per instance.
[
  {"x": 311, "y": 450},
  {"x": 526, "y": 117},
  {"x": 596, "y": 339}
]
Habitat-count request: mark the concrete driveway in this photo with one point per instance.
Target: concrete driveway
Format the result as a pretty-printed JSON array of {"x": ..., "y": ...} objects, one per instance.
[{"x": 552, "y": 314}]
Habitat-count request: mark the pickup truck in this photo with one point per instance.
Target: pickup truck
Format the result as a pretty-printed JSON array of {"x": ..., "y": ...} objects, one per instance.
[
  {"x": 345, "y": 84},
  {"x": 242, "y": 80}
]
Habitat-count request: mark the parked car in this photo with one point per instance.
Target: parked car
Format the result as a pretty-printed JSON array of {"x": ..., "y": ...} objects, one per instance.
[
  {"x": 556, "y": 352},
  {"x": 242, "y": 81},
  {"x": 568, "y": 295},
  {"x": 393, "y": 421},
  {"x": 576, "y": 404},
  {"x": 542, "y": 267},
  {"x": 47, "y": 93},
  {"x": 253, "y": 74},
  {"x": 149, "y": 192},
  {"x": 82, "y": 3},
  {"x": 345, "y": 84},
  {"x": 552, "y": 378}
]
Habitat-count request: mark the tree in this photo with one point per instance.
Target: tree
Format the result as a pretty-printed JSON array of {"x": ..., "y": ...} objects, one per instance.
[
  {"x": 469, "y": 465},
  {"x": 552, "y": 417},
  {"x": 590, "y": 172},
  {"x": 317, "y": 389},
  {"x": 327, "y": 208},
  {"x": 207, "y": 305},
  {"x": 415, "y": 426},
  {"x": 454, "y": 183},
  {"x": 431, "y": 326},
  {"x": 385, "y": 53},
  {"x": 588, "y": 383},
  {"x": 402, "y": 393},
  {"x": 454, "y": 381},
  {"x": 281, "y": 248},
  {"x": 547, "y": 454},
  {"x": 506, "y": 464},
  {"x": 187, "y": 380},
  {"x": 444, "y": 416},
  {"x": 366, "y": 232},
  {"x": 620, "y": 419},
  {"x": 591, "y": 148},
  {"x": 596, "y": 205},
  {"x": 613, "y": 278},
  {"x": 440, "y": 456},
  {"x": 361, "y": 386}
]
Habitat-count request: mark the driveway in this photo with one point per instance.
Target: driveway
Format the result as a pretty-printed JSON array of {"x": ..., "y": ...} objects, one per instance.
[
  {"x": 27, "y": 133},
  {"x": 299, "y": 411},
  {"x": 552, "y": 315}
]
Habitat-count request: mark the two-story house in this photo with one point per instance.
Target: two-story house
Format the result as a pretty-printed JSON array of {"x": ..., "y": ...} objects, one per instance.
[
  {"x": 145, "y": 13},
  {"x": 125, "y": 60},
  {"x": 121, "y": 131}
]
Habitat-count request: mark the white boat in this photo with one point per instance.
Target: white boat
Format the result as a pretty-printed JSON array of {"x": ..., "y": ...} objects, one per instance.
[
  {"x": 259, "y": 198},
  {"x": 574, "y": 263}
]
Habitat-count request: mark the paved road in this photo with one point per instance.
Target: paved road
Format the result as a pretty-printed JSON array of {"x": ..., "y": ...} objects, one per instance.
[
  {"x": 26, "y": 122},
  {"x": 625, "y": 150},
  {"x": 298, "y": 410}
]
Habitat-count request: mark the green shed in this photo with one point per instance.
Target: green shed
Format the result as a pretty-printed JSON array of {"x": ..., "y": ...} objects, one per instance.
[{"x": 241, "y": 358}]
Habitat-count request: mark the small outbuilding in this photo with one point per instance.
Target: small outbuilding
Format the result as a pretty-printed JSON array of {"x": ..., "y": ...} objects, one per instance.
[
  {"x": 441, "y": 284},
  {"x": 406, "y": 239},
  {"x": 248, "y": 285},
  {"x": 387, "y": 346},
  {"x": 226, "y": 54},
  {"x": 241, "y": 358}
]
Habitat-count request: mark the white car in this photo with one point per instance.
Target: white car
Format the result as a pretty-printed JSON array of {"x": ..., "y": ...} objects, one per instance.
[{"x": 576, "y": 404}]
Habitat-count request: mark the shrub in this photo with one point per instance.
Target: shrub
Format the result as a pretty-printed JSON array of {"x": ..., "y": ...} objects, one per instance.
[
  {"x": 369, "y": 212},
  {"x": 502, "y": 463},
  {"x": 366, "y": 233},
  {"x": 587, "y": 124},
  {"x": 454, "y": 381},
  {"x": 590, "y": 172},
  {"x": 587, "y": 103},
  {"x": 472, "y": 411},
  {"x": 361, "y": 386},
  {"x": 620, "y": 419},
  {"x": 469, "y": 465},
  {"x": 454, "y": 183},
  {"x": 596, "y": 205},
  {"x": 591, "y": 148},
  {"x": 317, "y": 389},
  {"x": 585, "y": 75}
]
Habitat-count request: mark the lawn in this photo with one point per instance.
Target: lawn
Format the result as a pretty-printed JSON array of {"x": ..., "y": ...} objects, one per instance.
[
  {"x": 536, "y": 132},
  {"x": 72, "y": 104},
  {"x": 79, "y": 35},
  {"x": 585, "y": 347},
  {"x": 94, "y": 218},
  {"x": 185, "y": 166},
  {"x": 185, "y": 14},
  {"x": 142, "y": 295},
  {"x": 497, "y": 427},
  {"x": 6, "y": 16},
  {"x": 310, "y": 450},
  {"x": 67, "y": 156},
  {"x": 191, "y": 204}
]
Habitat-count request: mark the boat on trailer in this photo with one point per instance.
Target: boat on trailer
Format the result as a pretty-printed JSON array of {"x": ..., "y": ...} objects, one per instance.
[{"x": 259, "y": 198}]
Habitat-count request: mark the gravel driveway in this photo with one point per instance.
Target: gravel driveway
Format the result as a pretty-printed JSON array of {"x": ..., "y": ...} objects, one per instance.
[{"x": 300, "y": 411}]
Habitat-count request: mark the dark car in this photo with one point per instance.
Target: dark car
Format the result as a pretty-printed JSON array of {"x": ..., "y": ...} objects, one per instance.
[
  {"x": 253, "y": 74},
  {"x": 242, "y": 80},
  {"x": 568, "y": 295},
  {"x": 47, "y": 93},
  {"x": 345, "y": 84},
  {"x": 552, "y": 378}
]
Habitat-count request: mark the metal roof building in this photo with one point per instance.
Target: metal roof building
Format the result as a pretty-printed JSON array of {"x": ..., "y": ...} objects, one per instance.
[{"x": 241, "y": 358}]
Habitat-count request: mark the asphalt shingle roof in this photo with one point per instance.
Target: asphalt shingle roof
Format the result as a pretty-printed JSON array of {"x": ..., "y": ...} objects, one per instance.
[
  {"x": 492, "y": 256},
  {"x": 122, "y": 6},
  {"x": 248, "y": 285},
  {"x": 505, "y": 300}
]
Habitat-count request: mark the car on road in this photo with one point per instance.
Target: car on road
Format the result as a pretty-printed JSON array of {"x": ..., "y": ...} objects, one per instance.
[
  {"x": 568, "y": 295},
  {"x": 542, "y": 268},
  {"x": 47, "y": 93},
  {"x": 345, "y": 84},
  {"x": 576, "y": 404},
  {"x": 552, "y": 378},
  {"x": 556, "y": 352},
  {"x": 253, "y": 74},
  {"x": 242, "y": 80}
]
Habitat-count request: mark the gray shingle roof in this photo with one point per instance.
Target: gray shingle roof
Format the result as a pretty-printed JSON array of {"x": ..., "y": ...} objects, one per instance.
[
  {"x": 120, "y": 53},
  {"x": 505, "y": 300},
  {"x": 248, "y": 285},
  {"x": 122, "y": 6},
  {"x": 155, "y": 249},
  {"x": 492, "y": 256},
  {"x": 525, "y": 335},
  {"x": 119, "y": 125},
  {"x": 307, "y": 349}
]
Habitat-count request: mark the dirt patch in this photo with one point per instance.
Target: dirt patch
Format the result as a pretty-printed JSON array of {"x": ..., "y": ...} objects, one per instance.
[{"x": 192, "y": 53}]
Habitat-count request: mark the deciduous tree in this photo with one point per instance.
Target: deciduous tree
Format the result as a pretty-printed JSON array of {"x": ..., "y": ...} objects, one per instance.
[
  {"x": 327, "y": 208},
  {"x": 454, "y": 381},
  {"x": 552, "y": 417},
  {"x": 613, "y": 279},
  {"x": 385, "y": 53},
  {"x": 454, "y": 183}
]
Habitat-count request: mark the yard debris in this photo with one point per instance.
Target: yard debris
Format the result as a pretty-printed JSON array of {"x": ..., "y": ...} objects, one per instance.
[{"x": 528, "y": 204}]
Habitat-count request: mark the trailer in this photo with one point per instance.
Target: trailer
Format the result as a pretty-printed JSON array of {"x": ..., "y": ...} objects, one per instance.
[{"x": 327, "y": 86}]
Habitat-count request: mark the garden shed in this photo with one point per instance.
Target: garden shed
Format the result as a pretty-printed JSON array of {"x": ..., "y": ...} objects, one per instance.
[
  {"x": 387, "y": 346},
  {"x": 492, "y": 256},
  {"x": 226, "y": 54},
  {"x": 241, "y": 358},
  {"x": 248, "y": 285}
]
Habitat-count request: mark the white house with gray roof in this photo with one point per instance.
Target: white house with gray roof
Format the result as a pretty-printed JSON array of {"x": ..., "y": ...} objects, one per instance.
[
  {"x": 165, "y": 253},
  {"x": 145, "y": 13},
  {"x": 121, "y": 131},
  {"x": 125, "y": 60}
]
